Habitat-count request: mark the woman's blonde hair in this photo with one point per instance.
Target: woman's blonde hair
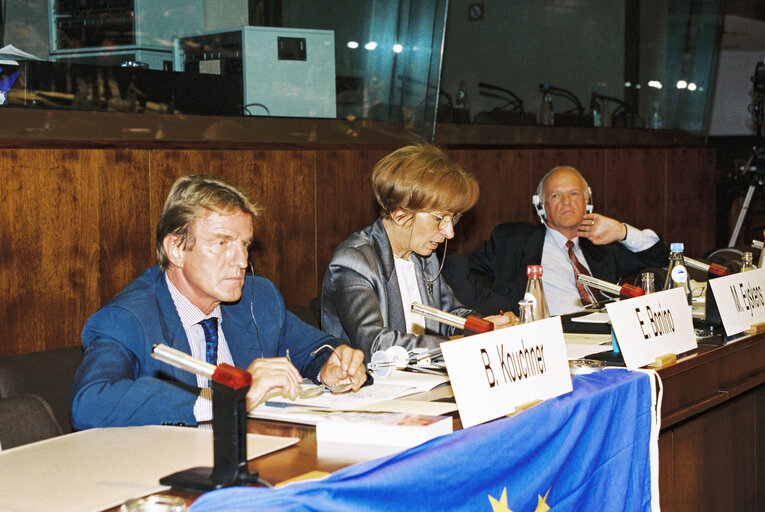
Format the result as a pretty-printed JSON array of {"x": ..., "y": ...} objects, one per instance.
[{"x": 421, "y": 177}]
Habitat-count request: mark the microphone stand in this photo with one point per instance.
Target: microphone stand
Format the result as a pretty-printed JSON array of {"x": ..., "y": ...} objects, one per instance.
[
  {"x": 513, "y": 101},
  {"x": 558, "y": 91},
  {"x": 625, "y": 291},
  {"x": 229, "y": 392}
]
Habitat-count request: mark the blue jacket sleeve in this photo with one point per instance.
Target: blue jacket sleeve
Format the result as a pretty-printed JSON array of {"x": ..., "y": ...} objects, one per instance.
[{"x": 119, "y": 384}]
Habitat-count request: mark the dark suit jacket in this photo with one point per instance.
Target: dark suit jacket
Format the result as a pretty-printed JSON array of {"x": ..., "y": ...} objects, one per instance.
[
  {"x": 120, "y": 384},
  {"x": 493, "y": 277}
]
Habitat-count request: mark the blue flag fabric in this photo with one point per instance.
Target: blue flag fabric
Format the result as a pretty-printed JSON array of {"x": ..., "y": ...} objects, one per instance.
[{"x": 586, "y": 450}]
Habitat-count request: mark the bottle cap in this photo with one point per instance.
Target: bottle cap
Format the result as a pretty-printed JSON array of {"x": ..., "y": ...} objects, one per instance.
[
  {"x": 534, "y": 271},
  {"x": 676, "y": 247}
]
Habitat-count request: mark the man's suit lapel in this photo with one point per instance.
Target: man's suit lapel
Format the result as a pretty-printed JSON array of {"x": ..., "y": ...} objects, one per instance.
[
  {"x": 532, "y": 251},
  {"x": 172, "y": 329},
  {"x": 242, "y": 327}
]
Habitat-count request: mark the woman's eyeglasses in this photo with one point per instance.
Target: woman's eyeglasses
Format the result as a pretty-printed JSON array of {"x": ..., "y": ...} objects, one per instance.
[{"x": 444, "y": 220}]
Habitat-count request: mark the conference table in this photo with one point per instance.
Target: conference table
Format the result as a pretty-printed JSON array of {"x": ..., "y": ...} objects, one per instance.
[{"x": 711, "y": 445}]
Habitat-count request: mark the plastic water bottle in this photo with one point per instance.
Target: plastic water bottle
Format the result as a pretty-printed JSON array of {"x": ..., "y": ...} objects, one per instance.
[
  {"x": 656, "y": 118},
  {"x": 462, "y": 96},
  {"x": 677, "y": 273},
  {"x": 535, "y": 293},
  {"x": 546, "y": 115},
  {"x": 595, "y": 109}
]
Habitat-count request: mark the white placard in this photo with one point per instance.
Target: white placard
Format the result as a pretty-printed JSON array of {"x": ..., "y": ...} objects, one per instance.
[
  {"x": 652, "y": 325},
  {"x": 739, "y": 298},
  {"x": 492, "y": 373}
]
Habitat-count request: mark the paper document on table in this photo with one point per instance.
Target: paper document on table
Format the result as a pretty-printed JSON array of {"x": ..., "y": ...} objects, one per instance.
[
  {"x": 417, "y": 381},
  {"x": 308, "y": 410},
  {"x": 576, "y": 351},
  {"x": 377, "y": 392},
  {"x": 598, "y": 317},
  {"x": 580, "y": 345},
  {"x": 412, "y": 406}
]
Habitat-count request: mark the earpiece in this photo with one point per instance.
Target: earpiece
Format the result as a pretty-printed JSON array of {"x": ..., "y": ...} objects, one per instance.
[
  {"x": 538, "y": 207},
  {"x": 252, "y": 310}
]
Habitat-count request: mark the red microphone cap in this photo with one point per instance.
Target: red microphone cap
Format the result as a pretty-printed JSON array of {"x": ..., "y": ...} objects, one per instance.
[
  {"x": 719, "y": 270},
  {"x": 631, "y": 291}
]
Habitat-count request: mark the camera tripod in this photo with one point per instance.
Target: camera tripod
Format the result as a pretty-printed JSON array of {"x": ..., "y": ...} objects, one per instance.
[{"x": 756, "y": 165}]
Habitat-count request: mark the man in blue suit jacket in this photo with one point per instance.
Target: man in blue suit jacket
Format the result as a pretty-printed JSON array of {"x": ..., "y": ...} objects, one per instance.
[{"x": 203, "y": 236}]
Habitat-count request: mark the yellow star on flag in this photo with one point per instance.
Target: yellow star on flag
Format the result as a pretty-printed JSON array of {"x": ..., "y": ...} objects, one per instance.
[
  {"x": 501, "y": 505},
  {"x": 542, "y": 503}
]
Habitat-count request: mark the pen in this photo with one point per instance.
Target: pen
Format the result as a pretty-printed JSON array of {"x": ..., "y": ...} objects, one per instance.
[{"x": 283, "y": 405}]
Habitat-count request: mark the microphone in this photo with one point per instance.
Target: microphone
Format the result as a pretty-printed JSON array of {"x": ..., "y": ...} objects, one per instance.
[
  {"x": 709, "y": 268},
  {"x": 559, "y": 91},
  {"x": 626, "y": 291},
  {"x": 472, "y": 322},
  {"x": 225, "y": 374}
]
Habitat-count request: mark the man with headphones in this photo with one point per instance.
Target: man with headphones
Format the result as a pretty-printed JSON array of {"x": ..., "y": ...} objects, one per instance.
[{"x": 493, "y": 277}]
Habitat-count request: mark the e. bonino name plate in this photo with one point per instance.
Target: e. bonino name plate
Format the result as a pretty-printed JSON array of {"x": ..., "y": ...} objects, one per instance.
[
  {"x": 739, "y": 298},
  {"x": 652, "y": 325},
  {"x": 493, "y": 373}
]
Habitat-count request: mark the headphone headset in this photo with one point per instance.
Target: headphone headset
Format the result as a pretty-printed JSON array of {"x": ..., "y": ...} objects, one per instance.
[{"x": 539, "y": 206}]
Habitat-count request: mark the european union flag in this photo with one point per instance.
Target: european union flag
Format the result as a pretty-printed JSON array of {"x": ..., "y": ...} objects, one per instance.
[{"x": 591, "y": 449}]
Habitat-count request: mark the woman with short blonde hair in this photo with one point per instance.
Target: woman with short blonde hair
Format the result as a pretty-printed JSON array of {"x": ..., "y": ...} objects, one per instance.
[{"x": 377, "y": 273}]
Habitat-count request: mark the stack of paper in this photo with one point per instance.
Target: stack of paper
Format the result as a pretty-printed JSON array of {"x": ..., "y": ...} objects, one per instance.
[
  {"x": 380, "y": 396},
  {"x": 382, "y": 429}
]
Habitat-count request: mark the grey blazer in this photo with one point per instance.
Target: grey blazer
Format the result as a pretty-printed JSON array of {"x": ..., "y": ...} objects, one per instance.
[{"x": 361, "y": 300}]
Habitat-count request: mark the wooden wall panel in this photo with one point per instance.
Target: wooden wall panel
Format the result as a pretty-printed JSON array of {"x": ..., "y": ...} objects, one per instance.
[
  {"x": 77, "y": 225},
  {"x": 715, "y": 451},
  {"x": 691, "y": 188},
  {"x": 345, "y": 201},
  {"x": 666, "y": 470},
  {"x": 505, "y": 180},
  {"x": 68, "y": 242},
  {"x": 286, "y": 248},
  {"x": 631, "y": 196}
]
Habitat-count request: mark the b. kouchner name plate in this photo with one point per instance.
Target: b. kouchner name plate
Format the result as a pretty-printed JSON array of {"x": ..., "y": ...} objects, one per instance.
[{"x": 495, "y": 372}]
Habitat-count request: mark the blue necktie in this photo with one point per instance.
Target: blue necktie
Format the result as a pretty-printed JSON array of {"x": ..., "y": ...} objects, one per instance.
[{"x": 210, "y": 326}]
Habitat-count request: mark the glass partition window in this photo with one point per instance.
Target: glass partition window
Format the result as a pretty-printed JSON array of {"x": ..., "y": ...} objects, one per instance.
[
  {"x": 348, "y": 59},
  {"x": 628, "y": 63},
  {"x": 407, "y": 64}
]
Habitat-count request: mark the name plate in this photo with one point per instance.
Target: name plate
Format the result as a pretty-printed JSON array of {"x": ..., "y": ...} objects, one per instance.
[
  {"x": 494, "y": 372},
  {"x": 739, "y": 298},
  {"x": 652, "y": 325}
]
